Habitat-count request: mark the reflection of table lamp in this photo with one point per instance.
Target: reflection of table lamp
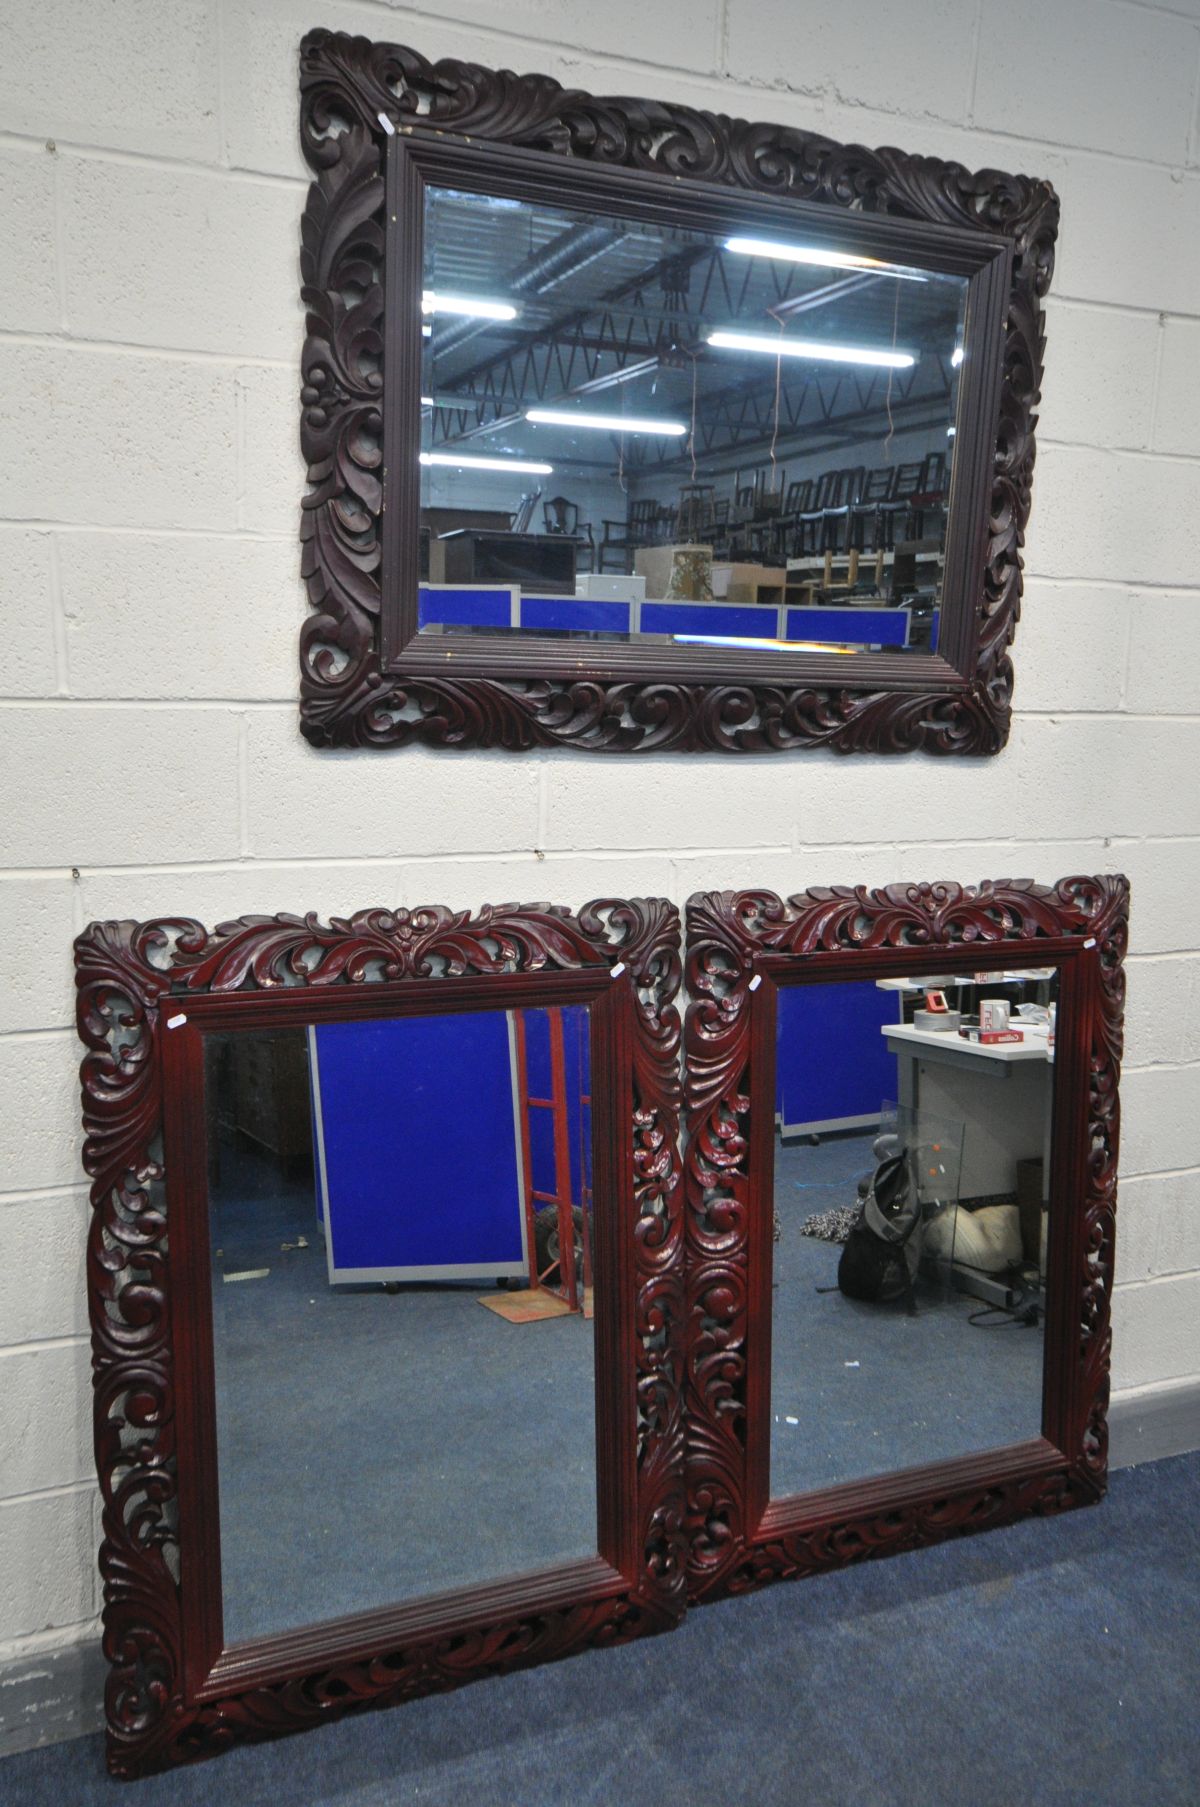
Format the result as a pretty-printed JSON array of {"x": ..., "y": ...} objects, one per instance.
[{"x": 691, "y": 574}]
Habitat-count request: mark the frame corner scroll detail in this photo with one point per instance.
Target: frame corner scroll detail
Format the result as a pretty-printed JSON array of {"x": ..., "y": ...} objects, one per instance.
[
  {"x": 355, "y": 96},
  {"x": 126, "y": 974},
  {"x": 737, "y": 1541}
]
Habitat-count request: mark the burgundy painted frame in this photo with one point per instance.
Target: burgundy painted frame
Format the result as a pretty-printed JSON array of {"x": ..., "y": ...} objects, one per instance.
[
  {"x": 146, "y": 993},
  {"x": 376, "y": 121},
  {"x": 743, "y": 945}
]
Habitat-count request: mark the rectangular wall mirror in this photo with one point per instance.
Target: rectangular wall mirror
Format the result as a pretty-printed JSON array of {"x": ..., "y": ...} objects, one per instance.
[
  {"x": 901, "y": 1174},
  {"x": 878, "y": 1095},
  {"x": 356, "y": 1209},
  {"x": 631, "y": 426},
  {"x": 386, "y": 1277}
]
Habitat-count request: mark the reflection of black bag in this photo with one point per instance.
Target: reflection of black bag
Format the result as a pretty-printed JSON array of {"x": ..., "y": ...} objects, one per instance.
[{"x": 884, "y": 1246}]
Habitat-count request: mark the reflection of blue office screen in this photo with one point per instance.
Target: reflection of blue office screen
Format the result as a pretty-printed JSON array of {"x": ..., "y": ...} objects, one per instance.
[{"x": 420, "y": 1142}]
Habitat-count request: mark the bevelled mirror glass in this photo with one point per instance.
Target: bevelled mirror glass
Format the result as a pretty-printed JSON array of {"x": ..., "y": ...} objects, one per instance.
[
  {"x": 631, "y": 426},
  {"x": 901, "y": 1171},
  {"x": 379, "y": 1258},
  {"x": 387, "y": 1305},
  {"x": 634, "y": 431},
  {"x": 911, "y": 1221}
]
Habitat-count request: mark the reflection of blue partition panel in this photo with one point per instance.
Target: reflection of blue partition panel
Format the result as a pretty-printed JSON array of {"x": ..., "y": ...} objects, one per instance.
[
  {"x": 418, "y": 1151},
  {"x": 464, "y": 608},
  {"x": 852, "y": 627},
  {"x": 548, "y": 614},
  {"x": 704, "y": 618},
  {"x": 833, "y": 1069}
]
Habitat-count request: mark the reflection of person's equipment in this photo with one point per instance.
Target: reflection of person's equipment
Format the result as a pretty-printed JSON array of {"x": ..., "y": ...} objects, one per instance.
[{"x": 883, "y": 1250}]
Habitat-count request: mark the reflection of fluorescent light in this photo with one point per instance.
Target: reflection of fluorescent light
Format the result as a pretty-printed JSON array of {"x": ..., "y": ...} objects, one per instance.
[
  {"x": 467, "y": 462},
  {"x": 427, "y": 401},
  {"x": 956, "y": 356},
  {"x": 811, "y": 348},
  {"x": 950, "y": 432},
  {"x": 610, "y": 423},
  {"x": 779, "y": 646},
  {"x": 432, "y": 303},
  {"x": 810, "y": 254}
]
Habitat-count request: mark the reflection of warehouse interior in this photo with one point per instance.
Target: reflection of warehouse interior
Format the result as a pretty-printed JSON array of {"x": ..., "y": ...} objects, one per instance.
[
  {"x": 871, "y": 1077},
  {"x": 750, "y": 437},
  {"x": 360, "y": 1217}
]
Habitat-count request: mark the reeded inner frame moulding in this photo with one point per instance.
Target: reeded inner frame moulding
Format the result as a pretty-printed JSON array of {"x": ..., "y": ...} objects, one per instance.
[
  {"x": 379, "y": 120},
  {"x": 147, "y": 991},
  {"x": 741, "y": 947}
]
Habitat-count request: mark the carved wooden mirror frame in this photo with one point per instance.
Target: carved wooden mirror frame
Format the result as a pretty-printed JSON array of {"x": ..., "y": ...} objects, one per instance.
[
  {"x": 741, "y": 945},
  {"x": 380, "y": 116},
  {"x": 145, "y": 992}
]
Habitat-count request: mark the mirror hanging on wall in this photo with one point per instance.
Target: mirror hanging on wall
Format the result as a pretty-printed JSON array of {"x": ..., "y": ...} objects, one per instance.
[
  {"x": 639, "y": 432},
  {"x": 913, "y": 1121},
  {"x": 402, "y": 1280}
]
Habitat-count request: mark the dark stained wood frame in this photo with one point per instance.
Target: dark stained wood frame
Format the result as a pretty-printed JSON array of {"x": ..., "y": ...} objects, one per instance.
[
  {"x": 379, "y": 119},
  {"x": 741, "y": 946},
  {"x": 146, "y": 994}
]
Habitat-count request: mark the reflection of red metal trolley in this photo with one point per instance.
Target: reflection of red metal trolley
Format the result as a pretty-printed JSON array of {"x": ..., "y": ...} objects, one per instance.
[{"x": 553, "y": 1077}]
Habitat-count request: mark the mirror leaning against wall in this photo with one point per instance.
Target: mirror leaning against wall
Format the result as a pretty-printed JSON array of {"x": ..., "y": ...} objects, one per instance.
[
  {"x": 901, "y": 1174},
  {"x": 386, "y": 1277}
]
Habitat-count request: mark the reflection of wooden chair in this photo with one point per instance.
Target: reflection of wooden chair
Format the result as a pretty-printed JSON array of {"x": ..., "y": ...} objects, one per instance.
[
  {"x": 929, "y": 495},
  {"x": 621, "y": 539},
  {"x": 697, "y": 506},
  {"x": 895, "y": 511},
  {"x": 865, "y": 529},
  {"x": 560, "y": 516}
]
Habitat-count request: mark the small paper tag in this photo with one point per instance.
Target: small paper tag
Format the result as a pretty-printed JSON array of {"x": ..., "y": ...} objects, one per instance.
[
  {"x": 618, "y": 969},
  {"x": 176, "y": 1022},
  {"x": 386, "y": 123},
  {"x": 1090, "y": 942},
  {"x": 755, "y": 982}
]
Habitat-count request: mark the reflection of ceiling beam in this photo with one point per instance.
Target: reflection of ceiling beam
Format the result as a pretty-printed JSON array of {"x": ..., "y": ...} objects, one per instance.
[{"x": 811, "y": 441}]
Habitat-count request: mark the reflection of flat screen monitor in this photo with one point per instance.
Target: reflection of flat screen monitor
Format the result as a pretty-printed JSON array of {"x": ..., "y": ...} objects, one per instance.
[{"x": 535, "y": 561}]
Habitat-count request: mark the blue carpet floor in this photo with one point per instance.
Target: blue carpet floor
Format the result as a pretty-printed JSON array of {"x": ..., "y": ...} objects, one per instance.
[
  {"x": 444, "y": 1392},
  {"x": 860, "y": 1389},
  {"x": 1056, "y": 1663}
]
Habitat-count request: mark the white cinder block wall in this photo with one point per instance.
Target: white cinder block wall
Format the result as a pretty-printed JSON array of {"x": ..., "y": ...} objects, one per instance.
[{"x": 149, "y": 481}]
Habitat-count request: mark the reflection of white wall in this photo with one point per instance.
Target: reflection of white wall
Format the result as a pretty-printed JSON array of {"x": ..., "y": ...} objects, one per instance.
[{"x": 150, "y": 588}]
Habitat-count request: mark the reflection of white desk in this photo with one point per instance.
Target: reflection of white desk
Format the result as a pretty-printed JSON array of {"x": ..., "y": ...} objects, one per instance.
[{"x": 1000, "y": 1091}]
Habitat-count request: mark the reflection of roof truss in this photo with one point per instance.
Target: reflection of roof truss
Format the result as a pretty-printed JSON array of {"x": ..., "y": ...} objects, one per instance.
[{"x": 627, "y": 332}]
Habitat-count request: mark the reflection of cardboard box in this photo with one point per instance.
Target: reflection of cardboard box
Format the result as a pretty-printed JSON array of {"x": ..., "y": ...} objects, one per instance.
[
  {"x": 655, "y": 564},
  {"x": 749, "y": 583},
  {"x": 595, "y": 586}
]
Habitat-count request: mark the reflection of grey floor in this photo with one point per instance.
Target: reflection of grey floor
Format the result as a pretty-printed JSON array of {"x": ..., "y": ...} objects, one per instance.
[
  {"x": 376, "y": 1446},
  {"x": 925, "y": 1387}
]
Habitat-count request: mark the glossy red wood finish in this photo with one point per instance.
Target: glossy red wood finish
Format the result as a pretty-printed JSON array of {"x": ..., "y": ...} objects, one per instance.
[
  {"x": 740, "y": 947},
  {"x": 147, "y": 994}
]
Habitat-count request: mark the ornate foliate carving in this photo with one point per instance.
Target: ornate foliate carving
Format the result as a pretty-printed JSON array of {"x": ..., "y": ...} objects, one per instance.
[
  {"x": 126, "y": 973},
  {"x": 347, "y": 699},
  {"x": 727, "y": 933}
]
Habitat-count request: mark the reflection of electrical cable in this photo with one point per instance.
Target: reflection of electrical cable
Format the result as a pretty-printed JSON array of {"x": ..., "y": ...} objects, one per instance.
[
  {"x": 692, "y": 435},
  {"x": 778, "y": 384},
  {"x": 888, "y": 393}
]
